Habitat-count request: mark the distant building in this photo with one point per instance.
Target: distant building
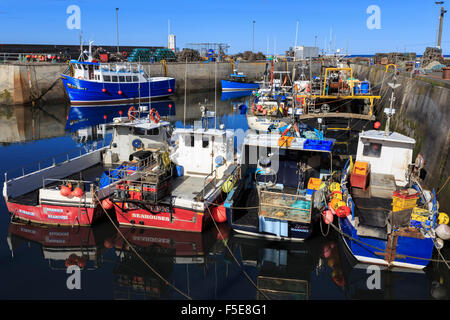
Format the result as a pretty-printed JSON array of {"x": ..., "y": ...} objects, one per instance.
[
  {"x": 302, "y": 52},
  {"x": 172, "y": 42}
]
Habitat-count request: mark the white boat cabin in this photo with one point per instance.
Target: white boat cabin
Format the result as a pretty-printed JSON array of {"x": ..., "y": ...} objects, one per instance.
[
  {"x": 201, "y": 152},
  {"x": 123, "y": 72},
  {"x": 387, "y": 154},
  {"x": 131, "y": 136}
]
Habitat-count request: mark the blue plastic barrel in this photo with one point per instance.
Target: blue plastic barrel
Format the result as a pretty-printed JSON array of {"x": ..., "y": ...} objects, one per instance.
[
  {"x": 364, "y": 87},
  {"x": 355, "y": 90},
  {"x": 180, "y": 171}
]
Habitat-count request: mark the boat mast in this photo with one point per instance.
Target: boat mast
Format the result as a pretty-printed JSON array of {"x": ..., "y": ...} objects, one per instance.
[{"x": 391, "y": 111}]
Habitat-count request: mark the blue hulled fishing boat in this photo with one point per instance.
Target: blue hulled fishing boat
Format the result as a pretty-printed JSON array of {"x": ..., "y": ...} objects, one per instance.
[
  {"x": 93, "y": 83},
  {"x": 238, "y": 82}
]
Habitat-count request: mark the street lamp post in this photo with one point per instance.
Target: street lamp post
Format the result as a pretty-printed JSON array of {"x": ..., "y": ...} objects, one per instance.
[
  {"x": 253, "y": 37},
  {"x": 117, "y": 26}
]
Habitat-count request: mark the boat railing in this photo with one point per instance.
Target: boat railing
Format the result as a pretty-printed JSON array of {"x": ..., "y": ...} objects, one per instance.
[
  {"x": 284, "y": 206},
  {"x": 116, "y": 175},
  {"x": 210, "y": 180},
  {"x": 49, "y": 181},
  {"x": 51, "y": 161}
]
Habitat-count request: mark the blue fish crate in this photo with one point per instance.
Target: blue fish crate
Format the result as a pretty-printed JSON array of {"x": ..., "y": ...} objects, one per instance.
[{"x": 318, "y": 144}]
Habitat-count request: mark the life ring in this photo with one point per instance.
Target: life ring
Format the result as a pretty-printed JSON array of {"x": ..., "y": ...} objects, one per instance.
[
  {"x": 130, "y": 113},
  {"x": 124, "y": 53},
  {"x": 153, "y": 111},
  {"x": 166, "y": 159}
]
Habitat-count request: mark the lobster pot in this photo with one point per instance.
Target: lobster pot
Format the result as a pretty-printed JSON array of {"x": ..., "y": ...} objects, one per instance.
[{"x": 154, "y": 191}]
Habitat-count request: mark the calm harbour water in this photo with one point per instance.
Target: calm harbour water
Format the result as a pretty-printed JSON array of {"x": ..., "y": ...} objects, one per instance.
[{"x": 33, "y": 259}]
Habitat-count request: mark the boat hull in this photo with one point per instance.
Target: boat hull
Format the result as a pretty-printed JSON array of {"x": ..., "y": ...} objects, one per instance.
[
  {"x": 84, "y": 92},
  {"x": 238, "y": 86},
  {"x": 363, "y": 248},
  {"x": 56, "y": 215},
  {"x": 161, "y": 217}
]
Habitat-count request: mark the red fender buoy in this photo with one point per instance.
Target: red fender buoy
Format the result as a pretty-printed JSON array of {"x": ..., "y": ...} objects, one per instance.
[
  {"x": 107, "y": 204},
  {"x": 65, "y": 191},
  {"x": 219, "y": 214},
  {"x": 78, "y": 192}
]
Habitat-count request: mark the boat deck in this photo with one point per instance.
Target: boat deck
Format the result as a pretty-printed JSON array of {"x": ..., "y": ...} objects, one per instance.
[
  {"x": 247, "y": 217},
  {"x": 372, "y": 213},
  {"x": 89, "y": 174},
  {"x": 187, "y": 187}
]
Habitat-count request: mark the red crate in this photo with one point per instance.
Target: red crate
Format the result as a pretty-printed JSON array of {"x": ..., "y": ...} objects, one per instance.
[{"x": 359, "y": 180}]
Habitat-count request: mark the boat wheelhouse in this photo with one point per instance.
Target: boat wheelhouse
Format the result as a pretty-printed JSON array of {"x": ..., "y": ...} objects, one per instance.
[
  {"x": 185, "y": 192},
  {"x": 393, "y": 219},
  {"x": 45, "y": 195},
  {"x": 277, "y": 195},
  {"x": 95, "y": 83}
]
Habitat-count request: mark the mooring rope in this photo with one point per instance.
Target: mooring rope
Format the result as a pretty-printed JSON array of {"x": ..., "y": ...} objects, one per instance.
[
  {"x": 382, "y": 250},
  {"x": 231, "y": 253}
]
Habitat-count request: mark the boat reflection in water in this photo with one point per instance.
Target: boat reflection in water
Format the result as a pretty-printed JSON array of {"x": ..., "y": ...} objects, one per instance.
[
  {"x": 63, "y": 246},
  {"x": 366, "y": 281},
  {"x": 283, "y": 270},
  {"x": 187, "y": 260},
  {"x": 89, "y": 117}
]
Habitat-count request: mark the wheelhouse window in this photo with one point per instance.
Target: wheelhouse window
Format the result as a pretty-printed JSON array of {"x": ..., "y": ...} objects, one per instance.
[
  {"x": 121, "y": 79},
  {"x": 153, "y": 132},
  {"x": 205, "y": 141},
  {"x": 128, "y": 78},
  {"x": 135, "y": 79},
  {"x": 139, "y": 131},
  {"x": 372, "y": 150},
  {"x": 106, "y": 78},
  {"x": 114, "y": 78},
  {"x": 189, "y": 140}
]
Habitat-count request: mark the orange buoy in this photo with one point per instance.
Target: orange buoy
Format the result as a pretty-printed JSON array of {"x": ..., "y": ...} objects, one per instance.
[
  {"x": 170, "y": 90},
  {"x": 104, "y": 90},
  {"x": 65, "y": 191},
  {"x": 107, "y": 204},
  {"x": 120, "y": 92},
  {"x": 78, "y": 192}
]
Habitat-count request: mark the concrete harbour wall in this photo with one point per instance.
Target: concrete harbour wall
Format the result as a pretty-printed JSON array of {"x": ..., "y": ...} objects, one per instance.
[{"x": 27, "y": 82}]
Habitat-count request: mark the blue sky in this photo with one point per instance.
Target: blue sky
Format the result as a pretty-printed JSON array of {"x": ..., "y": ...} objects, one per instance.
[{"x": 405, "y": 24}]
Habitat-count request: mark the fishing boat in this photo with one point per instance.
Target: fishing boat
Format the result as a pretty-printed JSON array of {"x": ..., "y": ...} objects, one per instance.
[
  {"x": 72, "y": 188},
  {"x": 269, "y": 107},
  {"x": 279, "y": 190},
  {"x": 94, "y": 83},
  {"x": 238, "y": 82},
  {"x": 184, "y": 191},
  {"x": 394, "y": 221}
]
